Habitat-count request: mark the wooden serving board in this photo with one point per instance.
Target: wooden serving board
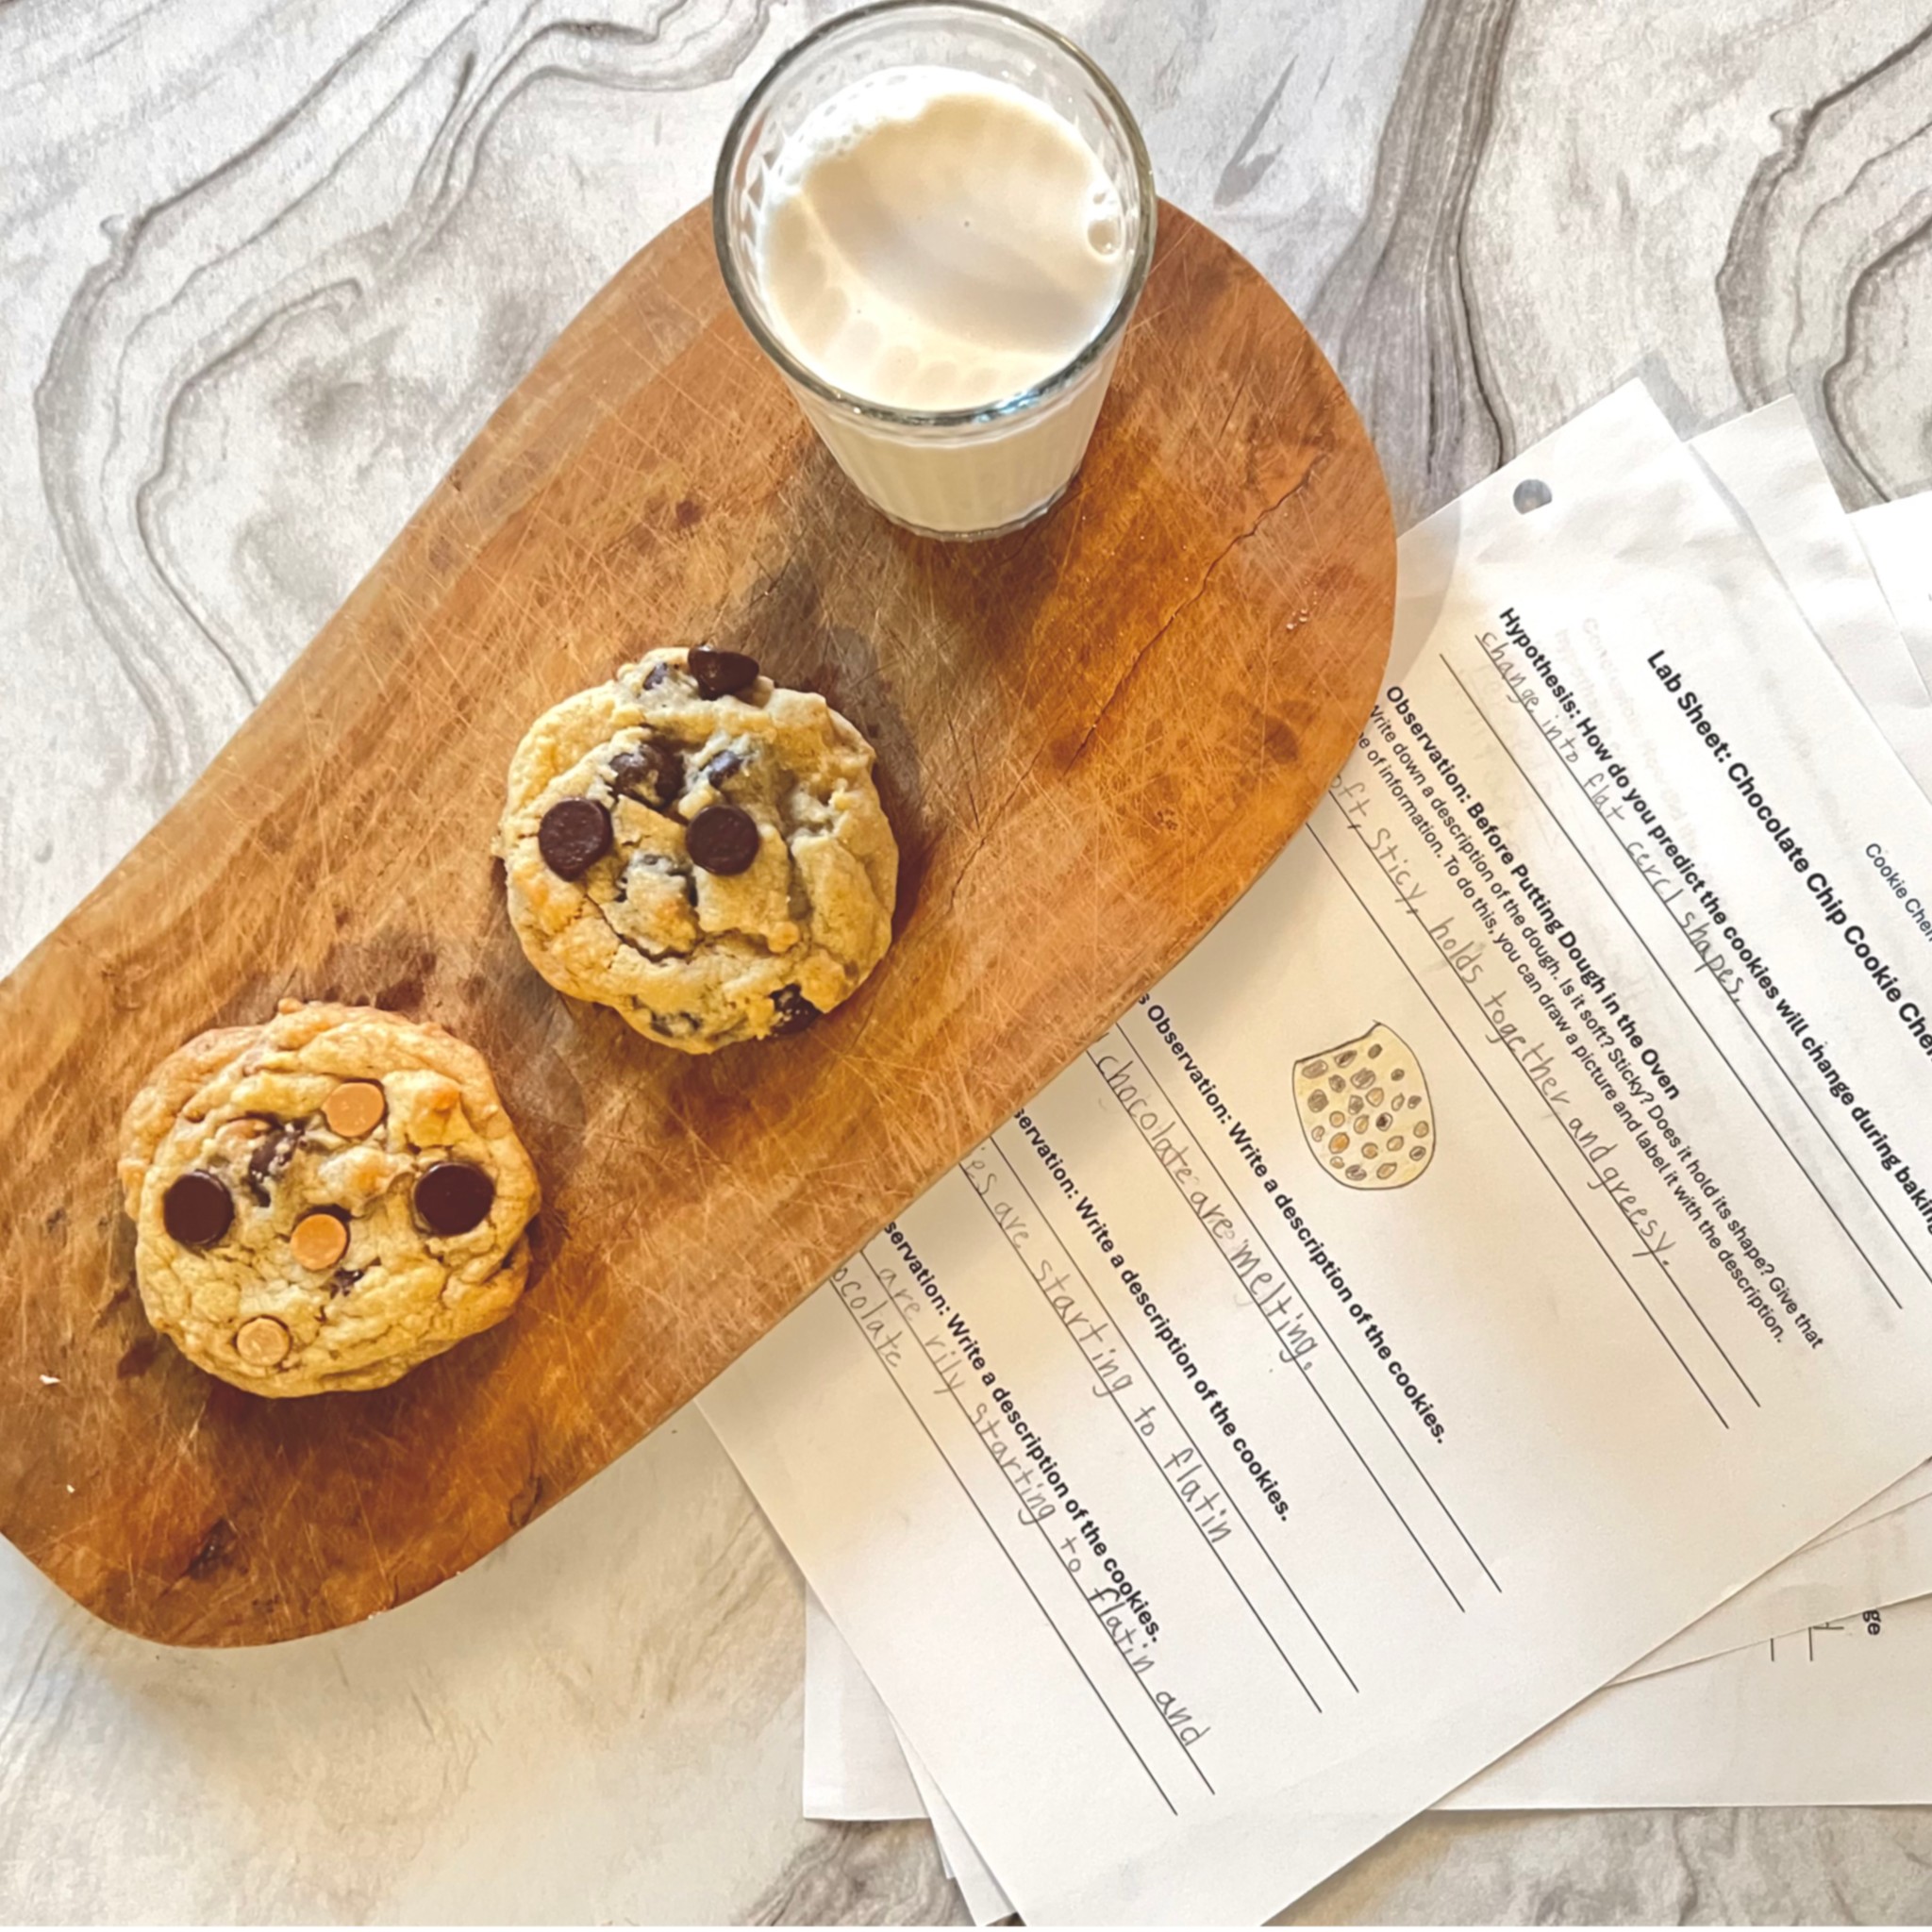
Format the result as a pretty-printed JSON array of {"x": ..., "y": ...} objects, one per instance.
[{"x": 1091, "y": 737}]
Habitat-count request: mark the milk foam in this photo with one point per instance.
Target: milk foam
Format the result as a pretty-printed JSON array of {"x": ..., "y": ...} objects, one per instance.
[{"x": 934, "y": 238}]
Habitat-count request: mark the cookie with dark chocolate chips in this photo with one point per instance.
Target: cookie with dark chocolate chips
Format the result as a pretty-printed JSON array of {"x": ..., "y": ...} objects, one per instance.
[{"x": 749, "y": 881}]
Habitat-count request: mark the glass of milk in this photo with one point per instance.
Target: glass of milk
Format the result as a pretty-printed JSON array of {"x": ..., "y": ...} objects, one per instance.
[{"x": 936, "y": 219}]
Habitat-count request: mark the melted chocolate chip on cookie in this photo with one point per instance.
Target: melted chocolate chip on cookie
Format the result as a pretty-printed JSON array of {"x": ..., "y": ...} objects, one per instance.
[
  {"x": 197, "y": 1210},
  {"x": 721, "y": 672},
  {"x": 575, "y": 835},
  {"x": 273, "y": 1153},
  {"x": 674, "y": 1025},
  {"x": 452, "y": 1197},
  {"x": 795, "y": 1012},
  {"x": 652, "y": 774}
]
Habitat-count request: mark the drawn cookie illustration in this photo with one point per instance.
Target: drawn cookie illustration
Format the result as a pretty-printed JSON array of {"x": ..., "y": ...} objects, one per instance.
[
  {"x": 1364, "y": 1106},
  {"x": 700, "y": 849},
  {"x": 325, "y": 1200}
]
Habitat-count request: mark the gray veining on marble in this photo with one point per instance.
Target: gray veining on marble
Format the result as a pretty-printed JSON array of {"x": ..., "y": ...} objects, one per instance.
[{"x": 268, "y": 266}]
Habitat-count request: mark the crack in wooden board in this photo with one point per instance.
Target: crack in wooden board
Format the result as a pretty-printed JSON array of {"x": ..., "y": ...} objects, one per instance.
[{"x": 1155, "y": 685}]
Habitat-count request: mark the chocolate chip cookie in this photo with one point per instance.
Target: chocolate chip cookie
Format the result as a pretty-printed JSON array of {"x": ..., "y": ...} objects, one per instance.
[
  {"x": 325, "y": 1200},
  {"x": 700, "y": 849}
]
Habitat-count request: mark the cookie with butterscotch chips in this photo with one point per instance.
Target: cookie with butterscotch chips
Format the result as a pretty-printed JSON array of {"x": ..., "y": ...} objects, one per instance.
[{"x": 325, "y": 1200}]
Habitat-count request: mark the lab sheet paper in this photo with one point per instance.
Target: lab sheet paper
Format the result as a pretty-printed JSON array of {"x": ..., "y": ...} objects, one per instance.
[
  {"x": 1826, "y": 1715},
  {"x": 1807, "y": 1718},
  {"x": 1399, "y": 1427},
  {"x": 1897, "y": 537},
  {"x": 853, "y": 1768},
  {"x": 1767, "y": 465},
  {"x": 1884, "y": 1562},
  {"x": 1738, "y": 1730}
]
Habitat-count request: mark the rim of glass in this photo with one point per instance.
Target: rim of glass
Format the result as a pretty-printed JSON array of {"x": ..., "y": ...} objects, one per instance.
[{"x": 982, "y": 412}]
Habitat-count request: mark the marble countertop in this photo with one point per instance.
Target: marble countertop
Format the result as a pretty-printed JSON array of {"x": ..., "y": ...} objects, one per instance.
[{"x": 270, "y": 263}]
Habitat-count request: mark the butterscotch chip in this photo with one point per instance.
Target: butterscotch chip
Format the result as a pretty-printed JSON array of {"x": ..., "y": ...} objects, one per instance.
[
  {"x": 262, "y": 1343},
  {"x": 319, "y": 1240},
  {"x": 355, "y": 1108}
]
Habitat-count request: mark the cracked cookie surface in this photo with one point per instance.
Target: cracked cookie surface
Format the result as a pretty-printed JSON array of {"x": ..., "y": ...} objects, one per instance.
[
  {"x": 699, "y": 849},
  {"x": 325, "y": 1201}
]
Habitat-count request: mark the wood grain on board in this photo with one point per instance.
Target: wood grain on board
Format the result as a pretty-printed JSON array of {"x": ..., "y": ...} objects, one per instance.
[{"x": 1091, "y": 736}]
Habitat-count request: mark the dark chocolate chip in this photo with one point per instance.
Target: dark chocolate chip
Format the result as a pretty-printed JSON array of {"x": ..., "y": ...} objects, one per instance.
[
  {"x": 343, "y": 1279},
  {"x": 652, "y": 774},
  {"x": 721, "y": 672},
  {"x": 452, "y": 1197},
  {"x": 197, "y": 1210},
  {"x": 723, "y": 838},
  {"x": 273, "y": 1153},
  {"x": 795, "y": 1012},
  {"x": 575, "y": 835},
  {"x": 728, "y": 764},
  {"x": 656, "y": 676}
]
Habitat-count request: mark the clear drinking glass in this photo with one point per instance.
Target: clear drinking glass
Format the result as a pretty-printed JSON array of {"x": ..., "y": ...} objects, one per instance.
[{"x": 947, "y": 472}]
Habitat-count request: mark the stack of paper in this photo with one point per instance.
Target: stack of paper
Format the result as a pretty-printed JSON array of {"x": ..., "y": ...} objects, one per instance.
[{"x": 1496, "y": 1263}]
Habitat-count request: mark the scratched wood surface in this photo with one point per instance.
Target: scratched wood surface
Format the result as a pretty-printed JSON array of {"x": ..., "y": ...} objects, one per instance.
[{"x": 1091, "y": 736}]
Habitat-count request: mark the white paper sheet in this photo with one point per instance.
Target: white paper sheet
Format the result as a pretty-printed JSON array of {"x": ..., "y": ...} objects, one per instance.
[
  {"x": 859, "y": 1769},
  {"x": 960, "y": 1856},
  {"x": 1897, "y": 537},
  {"x": 1607, "y": 1365},
  {"x": 853, "y": 1768},
  {"x": 1827, "y": 1716},
  {"x": 1907, "y": 1489},
  {"x": 1769, "y": 467},
  {"x": 1884, "y": 1562},
  {"x": 852, "y": 1765},
  {"x": 1811, "y": 1718}
]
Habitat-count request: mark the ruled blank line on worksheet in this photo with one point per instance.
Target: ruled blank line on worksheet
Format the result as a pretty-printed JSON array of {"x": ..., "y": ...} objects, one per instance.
[
  {"x": 1663, "y": 1334},
  {"x": 1087, "y": 1601},
  {"x": 1307, "y": 1381},
  {"x": 1698, "y": 1021},
  {"x": 1186, "y": 1435},
  {"x": 1315, "y": 1316}
]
